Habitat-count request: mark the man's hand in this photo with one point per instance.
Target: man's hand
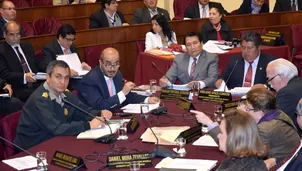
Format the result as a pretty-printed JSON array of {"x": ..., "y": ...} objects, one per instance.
[
  {"x": 9, "y": 88},
  {"x": 74, "y": 73},
  {"x": 86, "y": 66},
  {"x": 202, "y": 118},
  {"x": 30, "y": 77},
  {"x": 106, "y": 114},
  {"x": 128, "y": 86},
  {"x": 270, "y": 163},
  {"x": 163, "y": 82},
  {"x": 95, "y": 123},
  {"x": 153, "y": 100},
  {"x": 218, "y": 83}
]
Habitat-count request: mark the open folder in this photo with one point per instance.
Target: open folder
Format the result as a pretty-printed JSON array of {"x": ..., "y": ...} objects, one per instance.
[{"x": 74, "y": 63}]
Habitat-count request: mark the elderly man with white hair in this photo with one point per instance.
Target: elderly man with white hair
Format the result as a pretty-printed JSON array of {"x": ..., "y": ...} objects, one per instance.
[{"x": 282, "y": 75}]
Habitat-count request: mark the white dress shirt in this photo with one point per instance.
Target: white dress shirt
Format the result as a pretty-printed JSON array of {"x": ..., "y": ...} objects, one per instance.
[
  {"x": 206, "y": 8},
  {"x": 254, "y": 69}
]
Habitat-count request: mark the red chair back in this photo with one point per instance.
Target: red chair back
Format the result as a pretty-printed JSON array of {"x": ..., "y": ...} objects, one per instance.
[
  {"x": 21, "y": 3},
  {"x": 140, "y": 45},
  {"x": 296, "y": 31},
  {"x": 36, "y": 3},
  {"x": 92, "y": 54},
  {"x": 47, "y": 25},
  {"x": 9, "y": 126},
  {"x": 179, "y": 7},
  {"x": 28, "y": 29}
]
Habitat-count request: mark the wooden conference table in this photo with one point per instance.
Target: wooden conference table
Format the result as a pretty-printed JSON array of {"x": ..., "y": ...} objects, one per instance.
[
  {"x": 70, "y": 145},
  {"x": 144, "y": 70}
]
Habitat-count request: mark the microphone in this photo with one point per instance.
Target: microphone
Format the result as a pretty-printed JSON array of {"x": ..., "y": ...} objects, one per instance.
[
  {"x": 25, "y": 151},
  {"x": 156, "y": 67},
  {"x": 104, "y": 139},
  {"x": 230, "y": 75},
  {"x": 159, "y": 151}
]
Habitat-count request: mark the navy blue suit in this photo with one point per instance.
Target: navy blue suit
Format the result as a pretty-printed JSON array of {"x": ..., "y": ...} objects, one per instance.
[
  {"x": 93, "y": 91},
  {"x": 237, "y": 76}
]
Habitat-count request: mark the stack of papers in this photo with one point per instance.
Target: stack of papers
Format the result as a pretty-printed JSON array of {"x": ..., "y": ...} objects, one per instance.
[
  {"x": 165, "y": 135},
  {"x": 22, "y": 163},
  {"x": 136, "y": 108},
  {"x": 199, "y": 165},
  {"x": 237, "y": 91},
  {"x": 213, "y": 46},
  {"x": 40, "y": 76},
  {"x": 74, "y": 63},
  {"x": 159, "y": 52},
  {"x": 205, "y": 140}
]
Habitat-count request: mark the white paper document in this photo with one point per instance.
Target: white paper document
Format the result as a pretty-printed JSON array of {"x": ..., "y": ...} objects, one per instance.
[
  {"x": 22, "y": 163},
  {"x": 237, "y": 91},
  {"x": 4, "y": 95},
  {"x": 180, "y": 87},
  {"x": 40, "y": 76},
  {"x": 178, "y": 163},
  {"x": 205, "y": 140},
  {"x": 135, "y": 108},
  {"x": 98, "y": 132},
  {"x": 74, "y": 62},
  {"x": 143, "y": 93},
  {"x": 212, "y": 47}
]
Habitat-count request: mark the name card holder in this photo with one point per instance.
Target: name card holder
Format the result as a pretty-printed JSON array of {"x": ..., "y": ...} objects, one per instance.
[
  {"x": 67, "y": 161},
  {"x": 133, "y": 125},
  {"x": 185, "y": 104},
  {"x": 123, "y": 161},
  {"x": 230, "y": 105},
  {"x": 191, "y": 134},
  {"x": 170, "y": 94},
  {"x": 214, "y": 96}
]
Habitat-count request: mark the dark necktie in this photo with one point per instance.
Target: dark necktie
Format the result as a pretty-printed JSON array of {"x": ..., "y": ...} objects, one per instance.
[
  {"x": 22, "y": 61},
  {"x": 193, "y": 68},
  {"x": 248, "y": 76}
]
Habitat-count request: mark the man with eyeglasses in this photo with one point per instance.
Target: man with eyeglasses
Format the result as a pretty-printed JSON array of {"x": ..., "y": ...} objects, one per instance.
[
  {"x": 8, "y": 13},
  {"x": 63, "y": 45},
  {"x": 248, "y": 68},
  {"x": 18, "y": 63},
  {"x": 276, "y": 129},
  {"x": 104, "y": 88}
]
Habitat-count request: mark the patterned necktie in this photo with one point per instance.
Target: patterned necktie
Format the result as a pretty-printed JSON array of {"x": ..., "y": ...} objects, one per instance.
[
  {"x": 248, "y": 76},
  {"x": 110, "y": 82},
  {"x": 294, "y": 6},
  {"x": 204, "y": 12},
  {"x": 66, "y": 52},
  {"x": 22, "y": 61},
  {"x": 193, "y": 68}
]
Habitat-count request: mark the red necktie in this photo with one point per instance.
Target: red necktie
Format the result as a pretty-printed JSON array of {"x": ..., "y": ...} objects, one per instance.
[
  {"x": 22, "y": 61},
  {"x": 193, "y": 67},
  {"x": 248, "y": 76}
]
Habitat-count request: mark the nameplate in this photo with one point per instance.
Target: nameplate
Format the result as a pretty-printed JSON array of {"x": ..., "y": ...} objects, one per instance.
[
  {"x": 191, "y": 134},
  {"x": 229, "y": 105},
  {"x": 185, "y": 104},
  {"x": 132, "y": 125},
  {"x": 169, "y": 94},
  {"x": 67, "y": 161},
  {"x": 214, "y": 96},
  {"x": 123, "y": 161}
]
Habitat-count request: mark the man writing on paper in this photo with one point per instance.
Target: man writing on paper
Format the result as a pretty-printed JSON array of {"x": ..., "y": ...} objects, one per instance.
[
  {"x": 45, "y": 115},
  {"x": 248, "y": 67},
  {"x": 194, "y": 66},
  {"x": 104, "y": 88}
]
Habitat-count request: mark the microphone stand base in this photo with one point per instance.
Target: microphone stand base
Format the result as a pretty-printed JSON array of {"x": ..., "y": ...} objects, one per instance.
[
  {"x": 162, "y": 152},
  {"x": 106, "y": 139}
]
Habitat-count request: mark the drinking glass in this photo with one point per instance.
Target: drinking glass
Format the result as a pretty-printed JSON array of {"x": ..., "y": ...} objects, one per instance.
[
  {"x": 134, "y": 165},
  {"x": 41, "y": 155},
  {"x": 153, "y": 86},
  {"x": 196, "y": 88},
  {"x": 122, "y": 131},
  {"x": 144, "y": 110},
  {"x": 180, "y": 143}
]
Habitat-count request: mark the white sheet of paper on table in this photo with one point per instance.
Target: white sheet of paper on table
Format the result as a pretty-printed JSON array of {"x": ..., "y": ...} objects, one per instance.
[
  {"x": 22, "y": 163},
  {"x": 135, "y": 108},
  {"x": 205, "y": 140}
]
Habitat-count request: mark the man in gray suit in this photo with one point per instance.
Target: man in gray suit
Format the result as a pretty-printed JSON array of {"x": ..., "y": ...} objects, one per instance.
[
  {"x": 144, "y": 15},
  {"x": 194, "y": 66}
]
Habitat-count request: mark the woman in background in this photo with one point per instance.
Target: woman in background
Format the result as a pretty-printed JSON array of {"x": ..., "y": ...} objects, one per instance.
[
  {"x": 161, "y": 35},
  {"x": 216, "y": 28}
]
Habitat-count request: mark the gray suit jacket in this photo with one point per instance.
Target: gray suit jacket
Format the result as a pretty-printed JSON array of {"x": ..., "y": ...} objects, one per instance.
[
  {"x": 206, "y": 69},
  {"x": 142, "y": 15}
]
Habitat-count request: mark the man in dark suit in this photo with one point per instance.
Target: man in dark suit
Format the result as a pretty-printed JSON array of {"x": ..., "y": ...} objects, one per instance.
[
  {"x": 288, "y": 5},
  {"x": 8, "y": 13},
  {"x": 253, "y": 7},
  {"x": 201, "y": 9},
  {"x": 144, "y": 15},
  {"x": 18, "y": 63},
  {"x": 236, "y": 73},
  {"x": 108, "y": 16},
  {"x": 104, "y": 88}
]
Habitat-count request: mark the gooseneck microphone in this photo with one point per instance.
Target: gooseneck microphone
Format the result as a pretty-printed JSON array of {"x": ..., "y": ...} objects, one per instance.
[
  {"x": 25, "y": 151},
  {"x": 104, "y": 139},
  {"x": 230, "y": 75},
  {"x": 156, "y": 67}
]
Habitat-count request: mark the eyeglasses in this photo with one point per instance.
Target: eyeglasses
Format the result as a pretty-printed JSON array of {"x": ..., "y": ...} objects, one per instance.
[
  {"x": 271, "y": 79},
  {"x": 109, "y": 65},
  {"x": 243, "y": 103},
  {"x": 9, "y": 9},
  {"x": 70, "y": 40}
]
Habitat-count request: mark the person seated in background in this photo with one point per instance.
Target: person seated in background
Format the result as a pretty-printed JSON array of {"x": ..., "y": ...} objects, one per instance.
[
  {"x": 144, "y": 15},
  {"x": 194, "y": 66},
  {"x": 18, "y": 63},
  {"x": 287, "y": 5},
  {"x": 249, "y": 67},
  {"x": 161, "y": 35},
  {"x": 104, "y": 88},
  {"x": 201, "y": 9},
  {"x": 65, "y": 2},
  {"x": 277, "y": 130},
  {"x": 216, "y": 28},
  {"x": 239, "y": 139},
  {"x": 8, "y": 104},
  {"x": 253, "y": 7},
  {"x": 107, "y": 16},
  {"x": 8, "y": 13},
  {"x": 45, "y": 115}
]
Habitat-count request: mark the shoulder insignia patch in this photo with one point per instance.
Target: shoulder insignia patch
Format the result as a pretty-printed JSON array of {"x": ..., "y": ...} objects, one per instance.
[
  {"x": 67, "y": 90},
  {"x": 45, "y": 94},
  {"x": 65, "y": 112}
]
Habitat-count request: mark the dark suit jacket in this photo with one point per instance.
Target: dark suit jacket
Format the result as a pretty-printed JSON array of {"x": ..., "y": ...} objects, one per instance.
[
  {"x": 285, "y": 5},
  {"x": 93, "y": 91},
  {"x": 192, "y": 11},
  {"x": 10, "y": 66},
  {"x": 50, "y": 52},
  {"x": 237, "y": 76},
  {"x": 142, "y": 15},
  {"x": 246, "y": 8},
  {"x": 209, "y": 33},
  {"x": 2, "y": 22},
  {"x": 99, "y": 19}
]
